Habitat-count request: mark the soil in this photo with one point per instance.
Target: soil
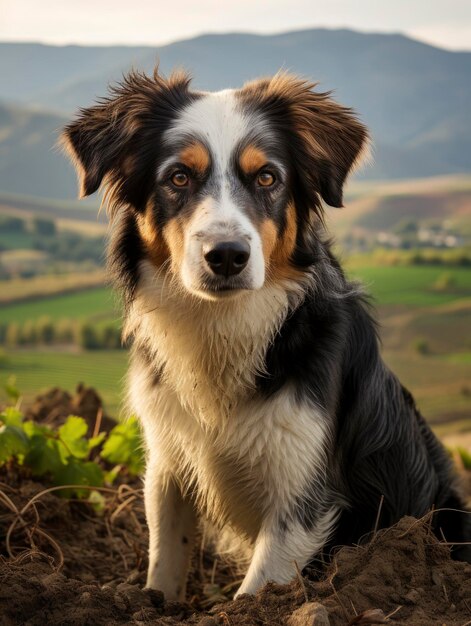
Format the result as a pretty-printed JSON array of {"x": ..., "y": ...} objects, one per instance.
[
  {"x": 63, "y": 563},
  {"x": 53, "y": 407}
]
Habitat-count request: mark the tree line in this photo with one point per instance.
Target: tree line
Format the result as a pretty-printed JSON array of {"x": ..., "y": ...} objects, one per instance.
[{"x": 66, "y": 332}]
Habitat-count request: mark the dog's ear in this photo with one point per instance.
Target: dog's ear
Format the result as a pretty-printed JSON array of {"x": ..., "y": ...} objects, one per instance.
[
  {"x": 326, "y": 139},
  {"x": 95, "y": 141},
  {"x": 116, "y": 141},
  {"x": 335, "y": 140}
]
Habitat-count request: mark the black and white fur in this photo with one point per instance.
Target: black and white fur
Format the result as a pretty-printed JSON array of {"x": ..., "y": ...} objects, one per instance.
[{"x": 263, "y": 398}]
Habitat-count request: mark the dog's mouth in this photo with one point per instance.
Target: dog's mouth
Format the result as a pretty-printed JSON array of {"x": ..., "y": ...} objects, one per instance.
[{"x": 218, "y": 288}]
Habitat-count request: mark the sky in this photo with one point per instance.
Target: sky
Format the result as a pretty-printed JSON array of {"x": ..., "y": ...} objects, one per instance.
[{"x": 445, "y": 23}]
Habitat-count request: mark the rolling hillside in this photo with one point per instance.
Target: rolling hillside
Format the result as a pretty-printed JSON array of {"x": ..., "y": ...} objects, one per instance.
[
  {"x": 374, "y": 207},
  {"x": 414, "y": 97}
]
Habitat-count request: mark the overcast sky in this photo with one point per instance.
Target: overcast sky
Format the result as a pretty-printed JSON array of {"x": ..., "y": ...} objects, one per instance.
[{"x": 445, "y": 23}]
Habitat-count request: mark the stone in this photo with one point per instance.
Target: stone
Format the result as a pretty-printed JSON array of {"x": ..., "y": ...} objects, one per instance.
[{"x": 309, "y": 614}]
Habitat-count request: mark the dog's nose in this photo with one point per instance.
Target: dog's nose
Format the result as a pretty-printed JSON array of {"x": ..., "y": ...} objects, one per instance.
[{"x": 227, "y": 258}]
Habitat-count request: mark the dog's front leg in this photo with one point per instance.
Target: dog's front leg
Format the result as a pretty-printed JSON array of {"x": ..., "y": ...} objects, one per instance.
[
  {"x": 280, "y": 548},
  {"x": 171, "y": 520}
]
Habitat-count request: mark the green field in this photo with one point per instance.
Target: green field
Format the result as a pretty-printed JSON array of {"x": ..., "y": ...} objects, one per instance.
[
  {"x": 15, "y": 241},
  {"x": 93, "y": 304},
  {"x": 409, "y": 309},
  {"x": 413, "y": 286},
  {"x": 37, "y": 371}
]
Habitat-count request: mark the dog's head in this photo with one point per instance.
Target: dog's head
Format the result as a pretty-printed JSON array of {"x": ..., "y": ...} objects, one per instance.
[{"x": 223, "y": 187}]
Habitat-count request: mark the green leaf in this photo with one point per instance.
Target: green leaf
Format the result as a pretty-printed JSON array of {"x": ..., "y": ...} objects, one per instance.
[
  {"x": 93, "y": 442},
  {"x": 11, "y": 389},
  {"x": 13, "y": 442},
  {"x": 98, "y": 501},
  {"x": 124, "y": 446},
  {"x": 11, "y": 416},
  {"x": 44, "y": 455},
  {"x": 111, "y": 476},
  {"x": 72, "y": 437},
  {"x": 31, "y": 428},
  {"x": 78, "y": 473}
]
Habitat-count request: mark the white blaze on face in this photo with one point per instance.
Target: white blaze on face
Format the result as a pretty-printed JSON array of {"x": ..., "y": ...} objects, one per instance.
[{"x": 217, "y": 120}]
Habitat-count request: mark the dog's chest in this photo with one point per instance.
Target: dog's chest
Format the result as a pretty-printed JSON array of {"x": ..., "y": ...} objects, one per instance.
[
  {"x": 257, "y": 462},
  {"x": 209, "y": 354}
]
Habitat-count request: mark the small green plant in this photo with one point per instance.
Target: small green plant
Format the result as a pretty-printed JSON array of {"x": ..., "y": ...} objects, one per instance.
[
  {"x": 124, "y": 446},
  {"x": 445, "y": 282},
  {"x": 421, "y": 346},
  {"x": 65, "y": 455},
  {"x": 465, "y": 457},
  {"x": 4, "y": 360}
]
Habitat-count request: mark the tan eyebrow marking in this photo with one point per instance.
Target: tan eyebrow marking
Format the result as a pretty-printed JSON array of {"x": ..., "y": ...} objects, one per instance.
[
  {"x": 196, "y": 157},
  {"x": 252, "y": 159}
]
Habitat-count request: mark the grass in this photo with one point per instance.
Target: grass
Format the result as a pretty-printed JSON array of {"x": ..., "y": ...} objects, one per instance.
[
  {"x": 91, "y": 304},
  {"x": 412, "y": 286},
  {"x": 15, "y": 241},
  {"x": 38, "y": 371},
  {"x": 463, "y": 358},
  {"x": 51, "y": 286},
  {"x": 81, "y": 216},
  {"x": 439, "y": 385}
]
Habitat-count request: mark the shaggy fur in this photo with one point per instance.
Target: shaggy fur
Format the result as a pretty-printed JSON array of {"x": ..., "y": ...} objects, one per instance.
[{"x": 257, "y": 377}]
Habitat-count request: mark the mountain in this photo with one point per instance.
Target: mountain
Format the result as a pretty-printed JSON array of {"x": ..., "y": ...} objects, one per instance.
[
  {"x": 414, "y": 97},
  {"x": 30, "y": 163}
]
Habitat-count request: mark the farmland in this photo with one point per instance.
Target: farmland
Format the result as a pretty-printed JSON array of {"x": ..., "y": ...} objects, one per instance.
[
  {"x": 409, "y": 309},
  {"x": 406, "y": 286},
  {"x": 36, "y": 371},
  {"x": 96, "y": 303}
]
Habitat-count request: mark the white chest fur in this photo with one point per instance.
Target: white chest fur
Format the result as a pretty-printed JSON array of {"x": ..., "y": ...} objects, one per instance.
[
  {"x": 209, "y": 352},
  {"x": 262, "y": 459},
  {"x": 244, "y": 456}
]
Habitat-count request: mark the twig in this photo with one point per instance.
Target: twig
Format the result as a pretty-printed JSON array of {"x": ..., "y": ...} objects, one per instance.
[
  {"x": 121, "y": 507},
  {"x": 378, "y": 515},
  {"x": 301, "y": 581},
  {"x": 425, "y": 517},
  {"x": 331, "y": 583},
  {"x": 99, "y": 416},
  {"x": 225, "y": 617},
  {"x": 201, "y": 556},
  {"x": 445, "y": 593},
  {"x": 393, "y": 612},
  {"x": 213, "y": 571}
]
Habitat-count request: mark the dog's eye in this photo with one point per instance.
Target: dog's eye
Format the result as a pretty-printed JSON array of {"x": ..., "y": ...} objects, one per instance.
[
  {"x": 266, "y": 179},
  {"x": 180, "y": 179}
]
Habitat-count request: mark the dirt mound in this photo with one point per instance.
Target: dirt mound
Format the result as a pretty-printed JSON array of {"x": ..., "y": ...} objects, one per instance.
[
  {"x": 65, "y": 564},
  {"x": 55, "y": 405}
]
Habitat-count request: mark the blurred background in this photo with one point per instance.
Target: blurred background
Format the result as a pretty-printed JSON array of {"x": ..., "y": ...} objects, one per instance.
[{"x": 406, "y": 228}]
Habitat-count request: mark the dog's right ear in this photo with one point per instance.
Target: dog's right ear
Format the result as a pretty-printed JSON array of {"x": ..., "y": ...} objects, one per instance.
[
  {"x": 94, "y": 141},
  {"x": 116, "y": 142}
]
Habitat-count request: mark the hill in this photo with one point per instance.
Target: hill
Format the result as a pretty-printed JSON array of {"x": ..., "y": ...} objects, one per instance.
[
  {"x": 372, "y": 207},
  {"x": 29, "y": 161},
  {"x": 415, "y": 97}
]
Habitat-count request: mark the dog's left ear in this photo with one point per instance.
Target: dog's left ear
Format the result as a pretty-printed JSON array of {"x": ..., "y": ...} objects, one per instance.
[
  {"x": 325, "y": 138},
  {"x": 116, "y": 142},
  {"x": 334, "y": 139}
]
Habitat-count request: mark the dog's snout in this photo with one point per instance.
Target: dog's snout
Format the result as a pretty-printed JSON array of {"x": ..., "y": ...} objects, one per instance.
[{"x": 227, "y": 258}]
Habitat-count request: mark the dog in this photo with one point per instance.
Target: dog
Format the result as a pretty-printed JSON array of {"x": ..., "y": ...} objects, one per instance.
[{"x": 254, "y": 366}]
